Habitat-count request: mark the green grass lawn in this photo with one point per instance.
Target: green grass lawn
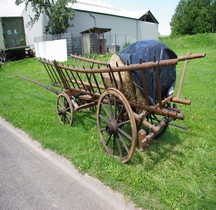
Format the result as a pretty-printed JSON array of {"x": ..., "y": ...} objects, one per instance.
[{"x": 175, "y": 172}]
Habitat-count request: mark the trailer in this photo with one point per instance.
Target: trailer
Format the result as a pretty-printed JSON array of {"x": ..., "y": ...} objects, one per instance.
[
  {"x": 12, "y": 38},
  {"x": 121, "y": 118}
]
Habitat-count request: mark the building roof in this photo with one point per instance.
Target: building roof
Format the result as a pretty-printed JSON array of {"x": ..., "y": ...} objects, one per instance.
[
  {"x": 142, "y": 15},
  {"x": 96, "y": 30}
]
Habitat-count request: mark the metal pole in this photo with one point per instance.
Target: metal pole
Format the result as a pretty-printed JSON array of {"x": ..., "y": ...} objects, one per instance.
[{"x": 115, "y": 43}]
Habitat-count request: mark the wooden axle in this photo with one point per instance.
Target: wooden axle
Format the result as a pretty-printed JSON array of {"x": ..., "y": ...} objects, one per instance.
[{"x": 153, "y": 128}]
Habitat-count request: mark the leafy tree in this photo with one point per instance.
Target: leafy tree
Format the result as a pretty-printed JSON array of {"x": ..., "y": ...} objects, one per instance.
[
  {"x": 56, "y": 10},
  {"x": 194, "y": 16},
  {"x": 213, "y": 15}
]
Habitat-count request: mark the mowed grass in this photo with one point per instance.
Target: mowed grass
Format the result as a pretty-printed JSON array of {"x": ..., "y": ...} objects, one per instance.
[{"x": 175, "y": 172}]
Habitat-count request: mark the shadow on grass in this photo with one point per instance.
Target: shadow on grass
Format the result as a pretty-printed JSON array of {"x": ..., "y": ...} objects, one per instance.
[
  {"x": 159, "y": 151},
  {"x": 85, "y": 118},
  {"x": 49, "y": 100}
]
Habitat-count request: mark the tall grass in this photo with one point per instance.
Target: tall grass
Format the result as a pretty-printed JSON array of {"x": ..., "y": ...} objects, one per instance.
[{"x": 175, "y": 172}]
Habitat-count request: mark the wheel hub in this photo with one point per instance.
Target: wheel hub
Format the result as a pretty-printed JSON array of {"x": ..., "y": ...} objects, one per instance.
[
  {"x": 62, "y": 111},
  {"x": 112, "y": 127}
]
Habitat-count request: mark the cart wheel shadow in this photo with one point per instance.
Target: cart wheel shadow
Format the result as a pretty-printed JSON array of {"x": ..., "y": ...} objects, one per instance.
[
  {"x": 84, "y": 118},
  {"x": 159, "y": 151}
]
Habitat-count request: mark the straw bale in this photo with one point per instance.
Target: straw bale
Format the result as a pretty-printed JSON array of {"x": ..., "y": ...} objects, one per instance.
[{"x": 127, "y": 87}]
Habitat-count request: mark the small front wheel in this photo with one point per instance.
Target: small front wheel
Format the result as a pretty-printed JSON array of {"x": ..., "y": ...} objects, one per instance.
[
  {"x": 116, "y": 124},
  {"x": 64, "y": 109}
]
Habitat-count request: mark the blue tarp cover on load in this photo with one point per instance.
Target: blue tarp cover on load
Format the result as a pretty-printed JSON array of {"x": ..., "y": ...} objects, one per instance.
[{"x": 147, "y": 51}]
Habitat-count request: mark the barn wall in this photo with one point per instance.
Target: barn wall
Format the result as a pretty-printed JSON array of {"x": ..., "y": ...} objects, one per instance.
[
  {"x": 123, "y": 30},
  {"x": 147, "y": 30},
  {"x": 134, "y": 29}
]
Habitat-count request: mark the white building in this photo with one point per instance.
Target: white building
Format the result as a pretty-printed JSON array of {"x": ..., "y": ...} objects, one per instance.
[{"x": 125, "y": 26}]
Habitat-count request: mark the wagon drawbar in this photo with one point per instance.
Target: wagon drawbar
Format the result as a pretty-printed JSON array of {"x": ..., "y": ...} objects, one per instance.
[{"x": 120, "y": 120}]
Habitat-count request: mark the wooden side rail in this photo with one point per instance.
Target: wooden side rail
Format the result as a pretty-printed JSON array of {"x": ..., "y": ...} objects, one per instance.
[
  {"x": 89, "y": 60},
  {"x": 59, "y": 75},
  {"x": 93, "y": 80}
]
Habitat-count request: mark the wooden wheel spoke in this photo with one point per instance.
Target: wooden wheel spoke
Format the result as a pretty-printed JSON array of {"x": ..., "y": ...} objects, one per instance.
[
  {"x": 123, "y": 142},
  {"x": 115, "y": 107},
  {"x": 68, "y": 116},
  {"x": 110, "y": 107},
  {"x": 65, "y": 102},
  {"x": 59, "y": 106},
  {"x": 104, "y": 118},
  {"x": 119, "y": 147},
  {"x": 63, "y": 119},
  {"x": 60, "y": 103},
  {"x": 102, "y": 129},
  {"x": 125, "y": 134},
  {"x": 120, "y": 113},
  {"x": 123, "y": 123},
  {"x": 66, "y": 120},
  {"x": 114, "y": 144},
  {"x": 105, "y": 109},
  {"x": 107, "y": 142},
  {"x": 154, "y": 118}
]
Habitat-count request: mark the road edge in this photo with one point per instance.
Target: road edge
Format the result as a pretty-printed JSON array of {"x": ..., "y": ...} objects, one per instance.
[{"x": 93, "y": 184}]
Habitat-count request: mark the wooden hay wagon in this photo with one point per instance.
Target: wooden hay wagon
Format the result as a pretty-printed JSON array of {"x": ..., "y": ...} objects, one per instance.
[{"x": 121, "y": 120}]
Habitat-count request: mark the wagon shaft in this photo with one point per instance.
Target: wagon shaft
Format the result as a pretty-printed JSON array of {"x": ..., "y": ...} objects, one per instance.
[{"x": 40, "y": 84}]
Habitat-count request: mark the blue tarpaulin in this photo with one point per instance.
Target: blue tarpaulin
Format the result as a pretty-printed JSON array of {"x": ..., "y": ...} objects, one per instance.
[{"x": 147, "y": 51}]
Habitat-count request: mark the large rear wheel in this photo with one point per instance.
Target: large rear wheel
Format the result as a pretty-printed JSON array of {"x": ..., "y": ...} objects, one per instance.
[{"x": 116, "y": 124}]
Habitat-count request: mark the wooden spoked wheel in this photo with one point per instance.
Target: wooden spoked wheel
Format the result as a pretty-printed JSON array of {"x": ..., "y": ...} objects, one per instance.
[
  {"x": 116, "y": 124},
  {"x": 64, "y": 109}
]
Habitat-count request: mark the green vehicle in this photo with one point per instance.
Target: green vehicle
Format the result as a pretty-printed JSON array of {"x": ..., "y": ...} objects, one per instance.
[{"x": 12, "y": 38}]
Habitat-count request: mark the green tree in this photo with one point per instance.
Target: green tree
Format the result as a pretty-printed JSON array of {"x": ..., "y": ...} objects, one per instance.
[
  {"x": 194, "y": 16},
  {"x": 56, "y": 10},
  {"x": 213, "y": 15}
]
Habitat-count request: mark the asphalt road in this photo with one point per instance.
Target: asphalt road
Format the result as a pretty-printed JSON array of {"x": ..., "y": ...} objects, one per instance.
[{"x": 34, "y": 178}]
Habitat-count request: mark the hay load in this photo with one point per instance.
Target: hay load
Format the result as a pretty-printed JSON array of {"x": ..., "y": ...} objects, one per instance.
[
  {"x": 130, "y": 82},
  {"x": 124, "y": 81}
]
